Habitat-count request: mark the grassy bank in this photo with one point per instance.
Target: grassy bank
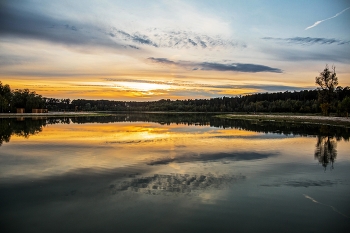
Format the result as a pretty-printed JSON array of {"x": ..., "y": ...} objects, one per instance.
[{"x": 303, "y": 119}]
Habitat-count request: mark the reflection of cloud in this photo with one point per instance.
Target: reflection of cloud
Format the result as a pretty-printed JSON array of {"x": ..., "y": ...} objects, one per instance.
[
  {"x": 239, "y": 67},
  {"x": 237, "y": 156},
  {"x": 303, "y": 183},
  {"x": 174, "y": 183},
  {"x": 89, "y": 183},
  {"x": 136, "y": 141},
  {"x": 308, "y": 40}
]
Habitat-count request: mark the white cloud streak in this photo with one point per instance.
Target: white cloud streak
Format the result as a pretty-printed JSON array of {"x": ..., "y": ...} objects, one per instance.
[{"x": 318, "y": 22}]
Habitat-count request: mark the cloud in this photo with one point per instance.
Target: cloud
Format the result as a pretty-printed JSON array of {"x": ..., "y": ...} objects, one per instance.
[
  {"x": 215, "y": 89},
  {"x": 294, "y": 55},
  {"x": 134, "y": 47},
  {"x": 273, "y": 88},
  {"x": 25, "y": 24},
  {"x": 17, "y": 21},
  {"x": 10, "y": 60},
  {"x": 251, "y": 68},
  {"x": 318, "y": 22},
  {"x": 162, "y": 61},
  {"x": 175, "y": 39},
  {"x": 308, "y": 40},
  {"x": 238, "y": 67},
  {"x": 137, "y": 38},
  {"x": 310, "y": 49}
]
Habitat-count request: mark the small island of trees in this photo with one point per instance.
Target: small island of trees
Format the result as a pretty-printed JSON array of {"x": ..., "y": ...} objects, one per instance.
[{"x": 327, "y": 98}]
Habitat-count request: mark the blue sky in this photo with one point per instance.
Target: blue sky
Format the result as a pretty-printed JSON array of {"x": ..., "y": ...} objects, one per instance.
[{"x": 148, "y": 50}]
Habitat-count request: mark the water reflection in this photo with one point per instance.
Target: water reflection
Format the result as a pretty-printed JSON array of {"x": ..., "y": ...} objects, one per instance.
[
  {"x": 28, "y": 126},
  {"x": 19, "y": 127},
  {"x": 306, "y": 183},
  {"x": 170, "y": 173},
  {"x": 326, "y": 151},
  {"x": 204, "y": 157},
  {"x": 175, "y": 183}
]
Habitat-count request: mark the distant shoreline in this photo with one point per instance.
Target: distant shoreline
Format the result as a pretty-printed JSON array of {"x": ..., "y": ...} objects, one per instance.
[
  {"x": 304, "y": 119},
  {"x": 280, "y": 117},
  {"x": 51, "y": 114}
]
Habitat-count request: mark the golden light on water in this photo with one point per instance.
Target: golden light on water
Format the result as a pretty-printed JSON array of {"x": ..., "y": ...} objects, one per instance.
[{"x": 120, "y": 144}]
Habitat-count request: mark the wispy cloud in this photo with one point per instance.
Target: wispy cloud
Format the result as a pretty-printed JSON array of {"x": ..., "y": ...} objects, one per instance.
[
  {"x": 175, "y": 39},
  {"x": 178, "y": 83},
  {"x": 21, "y": 23},
  {"x": 318, "y": 22},
  {"x": 309, "y": 40},
  {"x": 238, "y": 67},
  {"x": 296, "y": 54},
  {"x": 136, "y": 37}
]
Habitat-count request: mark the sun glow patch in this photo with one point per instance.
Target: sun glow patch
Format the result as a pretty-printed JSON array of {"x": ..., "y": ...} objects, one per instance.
[{"x": 143, "y": 86}]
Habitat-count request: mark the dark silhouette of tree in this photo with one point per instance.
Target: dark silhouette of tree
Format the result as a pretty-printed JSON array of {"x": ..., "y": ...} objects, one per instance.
[
  {"x": 327, "y": 82},
  {"x": 345, "y": 105},
  {"x": 27, "y": 99},
  {"x": 5, "y": 131},
  {"x": 326, "y": 151},
  {"x": 5, "y": 97}
]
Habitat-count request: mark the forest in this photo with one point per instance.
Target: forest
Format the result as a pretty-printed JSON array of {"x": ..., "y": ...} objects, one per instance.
[
  {"x": 327, "y": 98},
  {"x": 305, "y": 101}
]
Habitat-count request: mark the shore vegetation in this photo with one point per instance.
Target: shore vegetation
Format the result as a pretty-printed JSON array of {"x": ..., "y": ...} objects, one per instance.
[{"x": 328, "y": 99}]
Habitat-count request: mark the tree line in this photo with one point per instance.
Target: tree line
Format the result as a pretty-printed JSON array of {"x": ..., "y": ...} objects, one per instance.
[{"x": 327, "y": 98}]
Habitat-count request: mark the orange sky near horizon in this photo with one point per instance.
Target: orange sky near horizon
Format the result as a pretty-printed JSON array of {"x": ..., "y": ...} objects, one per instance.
[{"x": 182, "y": 50}]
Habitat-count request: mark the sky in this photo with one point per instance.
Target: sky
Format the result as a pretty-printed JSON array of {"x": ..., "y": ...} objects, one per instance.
[{"x": 139, "y": 50}]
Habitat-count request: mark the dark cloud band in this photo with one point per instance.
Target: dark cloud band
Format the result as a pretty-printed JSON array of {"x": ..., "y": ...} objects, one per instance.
[
  {"x": 238, "y": 67},
  {"x": 308, "y": 40},
  {"x": 24, "y": 24}
]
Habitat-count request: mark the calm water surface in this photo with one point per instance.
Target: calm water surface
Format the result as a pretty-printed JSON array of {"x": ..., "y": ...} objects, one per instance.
[{"x": 172, "y": 173}]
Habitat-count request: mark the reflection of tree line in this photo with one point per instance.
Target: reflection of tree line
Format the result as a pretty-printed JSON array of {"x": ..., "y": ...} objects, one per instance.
[
  {"x": 326, "y": 146},
  {"x": 24, "y": 127},
  {"x": 201, "y": 119},
  {"x": 326, "y": 151},
  {"x": 327, "y": 136},
  {"x": 161, "y": 118}
]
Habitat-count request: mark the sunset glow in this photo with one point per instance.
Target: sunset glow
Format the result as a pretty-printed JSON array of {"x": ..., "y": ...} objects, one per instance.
[{"x": 137, "y": 50}]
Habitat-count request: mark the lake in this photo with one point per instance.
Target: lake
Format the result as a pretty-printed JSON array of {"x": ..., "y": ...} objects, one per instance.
[{"x": 172, "y": 173}]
